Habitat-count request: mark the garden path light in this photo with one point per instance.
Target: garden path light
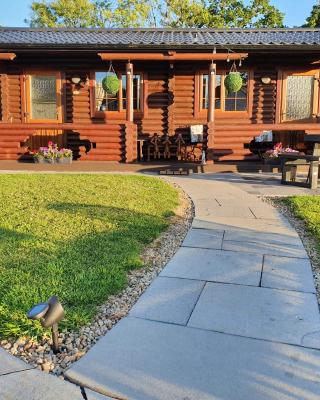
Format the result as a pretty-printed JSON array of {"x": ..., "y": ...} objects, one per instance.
[{"x": 49, "y": 314}]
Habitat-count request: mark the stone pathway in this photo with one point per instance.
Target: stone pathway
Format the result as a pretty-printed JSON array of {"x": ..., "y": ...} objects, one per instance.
[
  {"x": 20, "y": 381},
  {"x": 233, "y": 316}
]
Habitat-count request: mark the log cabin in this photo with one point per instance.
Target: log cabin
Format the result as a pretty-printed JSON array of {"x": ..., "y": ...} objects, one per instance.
[{"x": 170, "y": 79}]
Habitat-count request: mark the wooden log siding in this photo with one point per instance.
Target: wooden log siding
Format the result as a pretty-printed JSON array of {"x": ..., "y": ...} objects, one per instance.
[
  {"x": 108, "y": 144},
  {"x": 155, "y": 120},
  {"x": 14, "y": 97},
  {"x": 264, "y": 98},
  {"x": 77, "y": 102},
  {"x": 2, "y": 77},
  {"x": 107, "y": 140},
  {"x": 162, "y": 114},
  {"x": 184, "y": 101},
  {"x": 171, "y": 100}
]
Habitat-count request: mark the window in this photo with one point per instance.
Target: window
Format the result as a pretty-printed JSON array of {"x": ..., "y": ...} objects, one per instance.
[
  {"x": 118, "y": 102},
  {"x": 224, "y": 101},
  {"x": 300, "y": 95},
  {"x": 238, "y": 101},
  {"x": 43, "y": 96},
  {"x": 205, "y": 92}
]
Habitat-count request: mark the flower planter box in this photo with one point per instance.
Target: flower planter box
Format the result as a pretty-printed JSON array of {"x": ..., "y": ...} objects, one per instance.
[
  {"x": 44, "y": 160},
  {"x": 52, "y": 155},
  {"x": 64, "y": 160}
]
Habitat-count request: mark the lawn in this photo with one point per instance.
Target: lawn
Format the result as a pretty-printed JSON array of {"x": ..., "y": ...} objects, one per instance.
[
  {"x": 308, "y": 209},
  {"x": 75, "y": 236}
]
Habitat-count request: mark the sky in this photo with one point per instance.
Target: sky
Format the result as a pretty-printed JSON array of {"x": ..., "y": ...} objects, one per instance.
[{"x": 13, "y": 12}]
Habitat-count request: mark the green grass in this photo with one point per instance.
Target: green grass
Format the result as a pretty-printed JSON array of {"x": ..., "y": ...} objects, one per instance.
[
  {"x": 307, "y": 208},
  {"x": 75, "y": 236}
]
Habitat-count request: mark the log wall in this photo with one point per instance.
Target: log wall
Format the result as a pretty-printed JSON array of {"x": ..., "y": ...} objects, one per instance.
[{"x": 170, "y": 107}]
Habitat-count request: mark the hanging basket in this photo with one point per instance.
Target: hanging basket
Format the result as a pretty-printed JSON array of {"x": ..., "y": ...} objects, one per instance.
[
  {"x": 111, "y": 84},
  {"x": 233, "y": 82}
]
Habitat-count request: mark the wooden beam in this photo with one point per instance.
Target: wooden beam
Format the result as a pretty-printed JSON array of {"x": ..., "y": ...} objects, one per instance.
[
  {"x": 7, "y": 56},
  {"x": 211, "y": 92},
  {"x": 172, "y": 56},
  {"x": 107, "y": 126},
  {"x": 211, "y": 112},
  {"x": 129, "y": 92}
]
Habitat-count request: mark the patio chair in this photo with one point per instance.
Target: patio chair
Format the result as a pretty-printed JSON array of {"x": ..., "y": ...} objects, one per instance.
[{"x": 153, "y": 149}]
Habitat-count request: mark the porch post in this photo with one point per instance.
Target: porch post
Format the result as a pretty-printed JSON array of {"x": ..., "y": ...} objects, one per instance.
[
  {"x": 211, "y": 111},
  {"x": 130, "y": 127},
  {"x": 129, "y": 92}
]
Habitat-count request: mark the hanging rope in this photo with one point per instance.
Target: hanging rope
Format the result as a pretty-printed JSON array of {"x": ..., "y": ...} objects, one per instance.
[
  {"x": 111, "y": 69},
  {"x": 233, "y": 67}
]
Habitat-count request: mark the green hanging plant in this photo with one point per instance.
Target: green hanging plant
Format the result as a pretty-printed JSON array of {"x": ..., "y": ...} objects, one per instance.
[
  {"x": 111, "y": 84},
  {"x": 233, "y": 82}
]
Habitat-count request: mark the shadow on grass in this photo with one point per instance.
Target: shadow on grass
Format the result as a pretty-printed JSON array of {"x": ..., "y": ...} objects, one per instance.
[{"x": 82, "y": 272}]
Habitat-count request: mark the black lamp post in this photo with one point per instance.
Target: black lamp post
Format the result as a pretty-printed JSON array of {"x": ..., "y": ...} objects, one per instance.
[{"x": 49, "y": 314}]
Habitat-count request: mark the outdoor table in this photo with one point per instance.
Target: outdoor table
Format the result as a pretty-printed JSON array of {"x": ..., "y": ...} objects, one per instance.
[{"x": 289, "y": 164}]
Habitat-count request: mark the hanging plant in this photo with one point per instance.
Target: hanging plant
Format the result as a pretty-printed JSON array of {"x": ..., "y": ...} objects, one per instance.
[
  {"x": 111, "y": 84},
  {"x": 233, "y": 81}
]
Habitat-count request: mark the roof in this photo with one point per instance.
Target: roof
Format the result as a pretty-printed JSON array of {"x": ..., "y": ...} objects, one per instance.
[{"x": 160, "y": 37}]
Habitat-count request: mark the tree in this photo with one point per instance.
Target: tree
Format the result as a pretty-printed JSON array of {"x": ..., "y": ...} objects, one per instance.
[
  {"x": 133, "y": 13},
  {"x": 69, "y": 13},
  {"x": 143, "y": 13},
  {"x": 224, "y": 14},
  {"x": 313, "y": 21},
  {"x": 90, "y": 13}
]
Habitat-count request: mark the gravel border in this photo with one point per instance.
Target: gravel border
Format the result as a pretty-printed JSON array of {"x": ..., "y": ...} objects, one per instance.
[
  {"x": 75, "y": 344},
  {"x": 306, "y": 237}
]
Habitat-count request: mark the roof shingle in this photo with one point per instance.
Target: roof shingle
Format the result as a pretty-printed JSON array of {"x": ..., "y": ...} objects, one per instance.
[{"x": 63, "y": 37}]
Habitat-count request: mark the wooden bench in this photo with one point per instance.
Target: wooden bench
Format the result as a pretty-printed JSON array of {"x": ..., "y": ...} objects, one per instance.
[{"x": 290, "y": 163}]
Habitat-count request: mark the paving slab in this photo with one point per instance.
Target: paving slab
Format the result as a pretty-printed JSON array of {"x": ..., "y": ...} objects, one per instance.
[
  {"x": 246, "y": 224},
  {"x": 169, "y": 300},
  {"x": 288, "y": 273},
  {"x": 261, "y": 313},
  {"x": 245, "y": 235},
  {"x": 276, "y": 249},
  {"x": 215, "y": 266},
  {"x": 204, "y": 238},
  {"x": 33, "y": 384},
  {"x": 10, "y": 364},
  {"x": 259, "y": 208},
  {"x": 262, "y": 211},
  {"x": 147, "y": 360},
  {"x": 204, "y": 208}
]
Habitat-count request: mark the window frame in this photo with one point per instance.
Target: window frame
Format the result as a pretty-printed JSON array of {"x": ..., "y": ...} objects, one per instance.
[
  {"x": 26, "y": 95},
  {"x": 121, "y": 112},
  {"x": 201, "y": 112},
  {"x": 282, "y": 76}
]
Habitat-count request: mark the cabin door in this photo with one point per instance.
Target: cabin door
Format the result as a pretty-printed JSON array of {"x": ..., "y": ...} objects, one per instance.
[
  {"x": 300, "y": 93},
  {"x": 44, "y": 105}
]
